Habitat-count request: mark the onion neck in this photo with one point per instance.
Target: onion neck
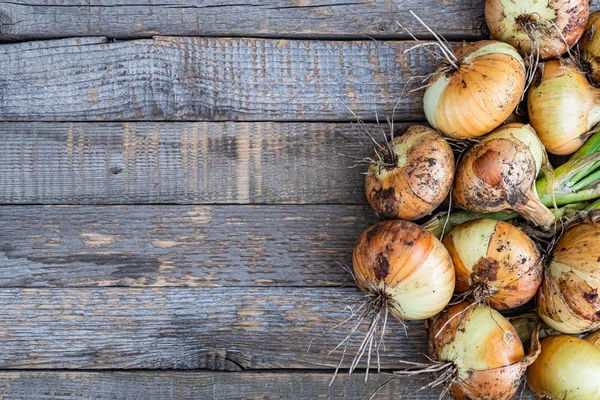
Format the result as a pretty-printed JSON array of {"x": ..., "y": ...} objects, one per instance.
[{"x": 534, "y": 211}]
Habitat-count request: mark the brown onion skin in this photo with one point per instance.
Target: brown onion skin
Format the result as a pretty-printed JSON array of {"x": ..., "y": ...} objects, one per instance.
[
  {"x": 420, "y": 181},
  {"x": 570, "y": 17},
  {"x": 509, "y": 265},
  {"x": 594, "y": 338},
  {"x": 572, "y": 109},
  {"x": 401, "y": 255},
  {"x": 590, "y": 48},
  {"x": 497, "y": 174},
  {"x": 480, "y": 95},
  {"x": 505, "y": 358},
  {"x": 566, "y": 301}
]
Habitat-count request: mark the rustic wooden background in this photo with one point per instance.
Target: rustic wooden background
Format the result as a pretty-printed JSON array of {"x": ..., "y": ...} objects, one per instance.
[{"x": 177, "y": 191}]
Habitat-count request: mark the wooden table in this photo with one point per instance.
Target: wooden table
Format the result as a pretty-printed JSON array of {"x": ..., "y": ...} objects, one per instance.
[{"x": 177, "y": 191}]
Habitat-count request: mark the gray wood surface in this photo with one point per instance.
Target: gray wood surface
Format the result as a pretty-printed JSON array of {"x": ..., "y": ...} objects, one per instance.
[
  {"x": 177, "y": 385},
  {"x": 186, "y": 163},
  {"x": 179, "y": 245},
  {"x": 182, "y": 78},
  {"x": 42, "y": 19},
  {"x": 185, "y": 328}
]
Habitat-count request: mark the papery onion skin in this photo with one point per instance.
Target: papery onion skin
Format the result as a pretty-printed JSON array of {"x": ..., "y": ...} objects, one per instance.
[
  {"x": 503, "y": 17},
  {"x": 480, "y": 95},
  {"x": 562, "y": 106},
  {"x": 568, "y": 368},
  {"x": 419, "y": 182},
  {"x": 406, "y": 263},
  {"x": 593, "y": 338},
  {"x": 499, "y": 256},
  {"x": 568, "y": 299},
  {"x": 499, "y": 172},
  {"x": 590, "y": 48},
  {"x": 485, "y": 348}
]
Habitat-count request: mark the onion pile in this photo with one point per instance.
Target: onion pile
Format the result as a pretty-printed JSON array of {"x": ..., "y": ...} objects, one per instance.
[
  {"x": 541, "y": 27},
  {"x": 412, "y": 175},
  {"x": 514, "y": 230}
]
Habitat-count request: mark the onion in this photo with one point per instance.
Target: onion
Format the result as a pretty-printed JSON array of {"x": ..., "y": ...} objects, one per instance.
[
  {"x": 478, "y": 352},
  {"x": 411, "y": 176},
  {"x": 547, "y": 28},
  {"x": 479, "y": 89},
  {"x": 568, "y": 368},
  {"x": 404, "y": 271},
  {"x": 563, "y": 106},
  {"x": 494, "y": 262},
  {"x": 499, "y": 174},
  {"x": 590, "y": 48},
  {"x": 405, "y": 265},
  {"x": 568, "y": 299}
]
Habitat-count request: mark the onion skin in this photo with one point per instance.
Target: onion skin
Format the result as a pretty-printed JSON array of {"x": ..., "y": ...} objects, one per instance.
[
  {"x": 420, "y": 181},
  {"x": 594, "y": 338},
  {"x": 568, "y": 368},
  {"x": 562, "y": 106},
  {"x": 590, "y": 47},
  {"x": 484, "y": 347},
  {"x": 570, "y": 16},
  {"x": 480, "y": 95},
  {"x": 499, "y": 172},
  {"x": 498, "y": 255},
  {"x": 568, "y": 298},
  {"x": 406, "y": 263}
]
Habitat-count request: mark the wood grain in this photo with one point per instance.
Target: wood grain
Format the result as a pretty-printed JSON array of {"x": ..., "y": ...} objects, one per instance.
[
  {"x": 33, "y": 385},
  {"x": 185, "y": 328},
  {"x": 42, "y": 19},
  {"x": 183, "y": 78},
  {"x": 176, "y": 385},
  {"x": 185, "y": 163},
  {"x": 179, "y": 245}
]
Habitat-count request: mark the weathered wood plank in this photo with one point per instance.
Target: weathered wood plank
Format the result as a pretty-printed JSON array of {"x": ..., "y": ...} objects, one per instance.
[
  {"x": 189, "y": 163},
  {"x": 42, "y": 19},
  {"x": 176, "y": 385},
  {"x": 178, "y": 245},
  {"x": 175, "y": 78},
  {"x": 184, "y": 328}
]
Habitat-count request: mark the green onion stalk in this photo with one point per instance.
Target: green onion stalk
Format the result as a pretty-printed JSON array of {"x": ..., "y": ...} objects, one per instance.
[{"x": 574, "y": 188}]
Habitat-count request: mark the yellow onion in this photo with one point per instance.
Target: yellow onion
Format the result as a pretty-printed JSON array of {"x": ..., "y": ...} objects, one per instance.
[
  {"x": 477, "y": 91},
  {"x": 594, "y": 338},
  {"x": 568, "y": 298},
  {"x": 562, "y": 106},
  {"x": 495, "y": 262},
  {"x": 590, "y": 48},
  {"x": 482, "y": 352},
  {"x": 547, "y": 27},
  {"x": 499, "y": 174},
  {"x": 411, "y": 176},
  {"x": 405, "y": 265},
  {"x": 405, "y": 272},
  {"x": 568, "y": 368}
]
